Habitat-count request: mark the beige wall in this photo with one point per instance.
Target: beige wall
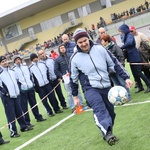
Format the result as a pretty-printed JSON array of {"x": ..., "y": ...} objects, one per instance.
[
  {"x": 53, "y": 12},
  {"x": 61, "y": 9}
]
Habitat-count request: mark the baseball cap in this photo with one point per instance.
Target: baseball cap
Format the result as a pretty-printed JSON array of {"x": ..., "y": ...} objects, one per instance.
[
  {"x": 2, "y": 58},
  {"x": 131, "y": 28}
]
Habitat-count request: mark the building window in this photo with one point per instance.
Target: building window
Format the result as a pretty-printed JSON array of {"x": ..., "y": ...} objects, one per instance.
[
  {"x": 72, "y": 18},
  {"x": 48, "y": 24},
  {"x": 1, "y": 43},
  {"x": 84, "y": 11},
  {"x": 12, "y": 31},
  {"x": 31, "y": 33}
]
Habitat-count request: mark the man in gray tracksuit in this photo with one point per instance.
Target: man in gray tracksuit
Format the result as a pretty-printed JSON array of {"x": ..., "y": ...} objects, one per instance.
[
  {"x": 40, "y": 75},
  {"x": 9, "y": 94},
  {"x": 92, "y": 65},
  {"x": 26, "y": 90},
  {"x": 49, "y": 62}
]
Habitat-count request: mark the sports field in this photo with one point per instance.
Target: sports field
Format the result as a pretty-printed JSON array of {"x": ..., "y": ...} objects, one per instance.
[{"x": 78, "y": 132}]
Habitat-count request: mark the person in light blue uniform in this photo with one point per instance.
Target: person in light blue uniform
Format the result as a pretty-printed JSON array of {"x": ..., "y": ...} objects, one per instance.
[
  {"x": 26, "y": 89},
  {"x": 49, "y": 62},
  {"x": 43, "y": 86}
]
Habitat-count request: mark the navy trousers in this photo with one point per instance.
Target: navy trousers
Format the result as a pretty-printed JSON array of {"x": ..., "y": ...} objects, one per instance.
[
  {"x": 13, "y": 110},
  {"x": 103, "y": 110},
  {"x": 137, "y": 73},
  {"x": 43, "y": 91},
  {"x": 29, "y": 97},
  {"x": 59, "y": 93},
  {"x": 1, "y": 136}
]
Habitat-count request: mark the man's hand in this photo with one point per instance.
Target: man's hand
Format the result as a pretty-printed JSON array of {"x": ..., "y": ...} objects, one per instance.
[
  {"x": 129, "y": 83},
  {"x": 76, "y": 101}
]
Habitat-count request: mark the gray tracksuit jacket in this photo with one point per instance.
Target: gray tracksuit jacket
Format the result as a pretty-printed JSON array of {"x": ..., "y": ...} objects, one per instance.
[
  {"x": 8, "y": 83},
  {"x": 24, "y": 77},
  {"x": 93, "y": 68}
]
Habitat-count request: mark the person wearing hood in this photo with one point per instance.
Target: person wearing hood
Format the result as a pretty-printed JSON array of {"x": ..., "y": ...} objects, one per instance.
[
  {"x": 92, "y": 65},
  {"x": 61, "y": 68},
  {"x": 133, "y": 56},
  {"x": 117, "y": 52},
  {"x": 26, "y": 90}
]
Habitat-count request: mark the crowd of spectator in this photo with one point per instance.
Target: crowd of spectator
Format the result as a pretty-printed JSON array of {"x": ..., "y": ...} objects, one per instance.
[
  {"x": 132, "y": 11},
  {"x": 51, "y": 43}
]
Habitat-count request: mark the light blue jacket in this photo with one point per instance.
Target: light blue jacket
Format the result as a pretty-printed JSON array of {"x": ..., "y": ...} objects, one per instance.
[
  {"x": 24, "y": 77},
  {"x": 40, "y": 73},
  {"x": 8, "y": 82},
  {"x": 50, "y": 65},
  {"x": 92, "y": 68}
]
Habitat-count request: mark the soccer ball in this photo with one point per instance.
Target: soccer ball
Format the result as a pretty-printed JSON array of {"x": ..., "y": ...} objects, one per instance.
[{"x": 117, "y": 95}]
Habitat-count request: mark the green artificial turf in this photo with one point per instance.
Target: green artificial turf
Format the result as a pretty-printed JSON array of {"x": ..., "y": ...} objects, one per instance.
[{"x": 80, "y": 132}]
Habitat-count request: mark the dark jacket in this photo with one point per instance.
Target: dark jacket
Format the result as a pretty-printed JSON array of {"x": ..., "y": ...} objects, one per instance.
[
  {"x": 61, "y": 64},
  {"x": 70, "y": 47},
  {"x": 144, "y": 51},
  {"x": 116, "y": 51},
  {"x": 129, "y": 44},
  {"x": 98, "y": 41}
]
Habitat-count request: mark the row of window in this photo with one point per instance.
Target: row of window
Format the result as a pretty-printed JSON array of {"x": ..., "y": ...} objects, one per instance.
[
  {"x": 57, "y": 21},
  {"x": 14, "y": 30}
]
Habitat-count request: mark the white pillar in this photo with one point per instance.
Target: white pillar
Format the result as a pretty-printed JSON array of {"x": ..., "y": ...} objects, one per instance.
[{"x": 108, "y": 3}]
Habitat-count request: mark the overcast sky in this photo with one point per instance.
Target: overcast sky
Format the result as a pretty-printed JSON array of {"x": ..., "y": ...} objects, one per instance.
[{"x": 6, "y": 5}]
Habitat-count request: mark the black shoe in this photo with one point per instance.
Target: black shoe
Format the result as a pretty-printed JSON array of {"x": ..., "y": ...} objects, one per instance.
[
  {"x": 51, "y": 115},
  {"x": 136, "y": 85},
  {"x": 65, "y": 107},
  {"x": 15, "y": 135},
  {"x": 147, "y": 90},
  {"x": 73, "y": 110},
  {"x": 31, "y": 125},
  {"x": 111, "y": 139},
  {"x": 3, "y": 142},
  {"x": 40, "y": 120},
  {"x": 28, "y": 128},
  {"x": 139, "y": 90},
  {"x": 59, "y": 111}
]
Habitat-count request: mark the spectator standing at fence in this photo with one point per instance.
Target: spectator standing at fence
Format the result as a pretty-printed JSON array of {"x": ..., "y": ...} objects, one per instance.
[
  {"x": 117, "y": 52},
  {"x": 140, "y": 40},
  {"x": 133, "y": 56}
]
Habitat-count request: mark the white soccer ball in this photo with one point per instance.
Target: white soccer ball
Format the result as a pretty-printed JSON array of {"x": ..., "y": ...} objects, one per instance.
[{"x": 117, "y": 95}]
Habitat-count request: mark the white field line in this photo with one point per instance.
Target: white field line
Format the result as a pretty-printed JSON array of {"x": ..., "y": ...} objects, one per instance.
[
  {"x": 63, "y": 120},
  {"x": 43, "y": 133}
]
